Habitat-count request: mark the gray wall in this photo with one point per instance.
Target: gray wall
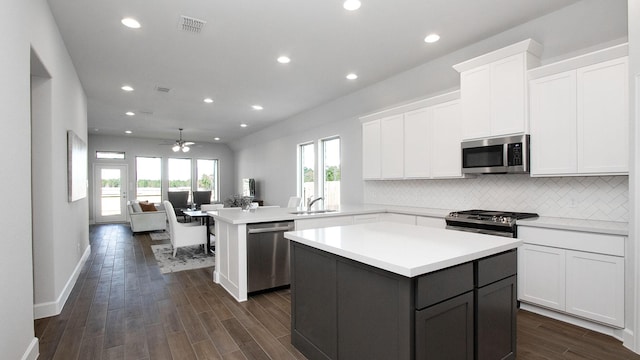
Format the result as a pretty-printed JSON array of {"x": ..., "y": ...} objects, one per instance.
[
  {"x": 270, "y": 155},
  {"x": 133, "y": 147}
]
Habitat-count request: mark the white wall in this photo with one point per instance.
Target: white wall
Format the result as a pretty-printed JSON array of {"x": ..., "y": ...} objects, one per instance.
[
  {"x": 66, "y": 227},
  {"x": 632, "y": 273},
  {"x": 16, "y": 332},
  {"x": 133, "y": 147},
  {"x": 572, "y": 30},
  {"x": 61, "y": 237}
]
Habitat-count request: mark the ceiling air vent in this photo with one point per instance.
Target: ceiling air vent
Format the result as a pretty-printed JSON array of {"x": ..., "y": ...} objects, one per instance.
[
  {"x": 162, "y": 89},
  {"x": 191, "y": 25}
]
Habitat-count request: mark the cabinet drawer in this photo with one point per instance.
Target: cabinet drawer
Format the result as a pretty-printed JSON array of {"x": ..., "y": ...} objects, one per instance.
[
  {"x": 444, "y": 284},
  {"x": 497, "y": 267},
  {"x": 574, "y": 240}
]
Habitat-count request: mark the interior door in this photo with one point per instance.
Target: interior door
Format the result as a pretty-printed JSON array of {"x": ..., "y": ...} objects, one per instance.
[{"x": 110, "y": 195}]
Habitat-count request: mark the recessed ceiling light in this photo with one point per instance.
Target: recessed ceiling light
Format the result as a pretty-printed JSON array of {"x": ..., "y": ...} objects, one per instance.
[
  {"x": 208, "y": 100},
  {"x": 351, "y": 5},
  {"x": 130, "y": 113},
  {"x": 257, "y": 107},
  {"x": 352, "y": 76},
  {"x": 284, "y": 59},
  {"x": 243, "y": 125},
  {"x": 431, "y": 38},
  {"x": 128, "y": 132},
  {"x": 127, "y": 88},
  {"x": 216, "y": 138},
  {"x": 130, "y": 23}
]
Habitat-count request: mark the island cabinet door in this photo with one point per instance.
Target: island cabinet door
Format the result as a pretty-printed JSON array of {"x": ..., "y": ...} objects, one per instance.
[
  {"x": 496, "y": 326},
  {"x": 445, "y": 330},
  {"x": 314, "y": 303}
]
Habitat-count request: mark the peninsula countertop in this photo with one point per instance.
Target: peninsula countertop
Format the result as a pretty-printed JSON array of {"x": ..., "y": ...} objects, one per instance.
[
  {"x": 267, "y": 214},
  {"x": 407, "y": 250}
]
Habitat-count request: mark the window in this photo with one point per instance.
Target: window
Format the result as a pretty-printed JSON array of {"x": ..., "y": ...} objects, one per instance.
[
  {"x": 117, "y": 155},
  {"x": 149, "y": 179},
  {"x": 327, "y": 183},
  {"x": 207, "y": 177},
  {"x": 180, "y": 175},
  {"x": 331, "y": 172},
  {"x": 306, "y": 171}
]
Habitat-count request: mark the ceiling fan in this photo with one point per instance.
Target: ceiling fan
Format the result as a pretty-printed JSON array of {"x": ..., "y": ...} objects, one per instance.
[{"x": 181, "y": 144}]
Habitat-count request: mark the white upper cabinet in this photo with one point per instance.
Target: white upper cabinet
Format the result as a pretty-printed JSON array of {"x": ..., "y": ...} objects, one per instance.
[
  {"x": 446, "y": 157},
  {"x": 420, "y": 143},
  {"x": 494, "y": 91},
  {"x": 391, "y": 147},
  {"x": 553, "y": 124},
  {"x": 417, "y": 147},
  {"x": 475, "y": 88},
  {"x": 371, "y": 150},
  {"x": 603, "y": 120},
  {"x": 579, "y": 117}
]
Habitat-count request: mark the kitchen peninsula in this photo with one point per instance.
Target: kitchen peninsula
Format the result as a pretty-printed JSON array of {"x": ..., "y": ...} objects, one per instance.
[
  {"x": 395, "y": 291},
  {"x": 231, "y": 270}
]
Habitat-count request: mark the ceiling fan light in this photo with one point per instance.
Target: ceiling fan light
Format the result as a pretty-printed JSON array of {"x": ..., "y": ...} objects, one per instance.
[
  {"x": 185, "y": 149},
  {"x": 176, "y": 148}
]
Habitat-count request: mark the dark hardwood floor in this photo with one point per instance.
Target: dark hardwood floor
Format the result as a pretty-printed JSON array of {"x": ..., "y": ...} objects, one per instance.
[{"x": 122, "y": 307}]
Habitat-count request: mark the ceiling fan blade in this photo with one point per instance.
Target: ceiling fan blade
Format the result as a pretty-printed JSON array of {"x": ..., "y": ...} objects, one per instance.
[{"x": 189, "y": 143}]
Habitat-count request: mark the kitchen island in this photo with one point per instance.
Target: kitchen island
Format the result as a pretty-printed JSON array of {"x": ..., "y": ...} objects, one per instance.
[{"x": 395, "y": 291}]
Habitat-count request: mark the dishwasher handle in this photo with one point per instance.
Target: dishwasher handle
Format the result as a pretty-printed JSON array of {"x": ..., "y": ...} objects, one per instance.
[{"x": 269, "y": 229}]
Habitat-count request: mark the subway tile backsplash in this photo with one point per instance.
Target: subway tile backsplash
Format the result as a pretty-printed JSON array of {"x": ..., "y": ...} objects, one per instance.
[{"x": 590, "y": 197}]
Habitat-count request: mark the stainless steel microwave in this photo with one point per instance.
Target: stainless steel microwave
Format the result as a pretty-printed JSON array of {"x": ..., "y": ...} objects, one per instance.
[{"x": 503, "y": 155}]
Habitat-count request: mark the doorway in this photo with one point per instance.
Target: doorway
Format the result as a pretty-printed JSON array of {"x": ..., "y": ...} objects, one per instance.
[{"x": 110, "y": 196}]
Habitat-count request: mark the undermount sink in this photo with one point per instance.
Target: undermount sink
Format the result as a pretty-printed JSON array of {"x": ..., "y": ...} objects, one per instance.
[{"x": 309, "y": 212}]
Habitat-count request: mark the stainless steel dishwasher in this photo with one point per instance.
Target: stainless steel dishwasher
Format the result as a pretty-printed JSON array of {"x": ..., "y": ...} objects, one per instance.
[{"x": 267, "y": 255}]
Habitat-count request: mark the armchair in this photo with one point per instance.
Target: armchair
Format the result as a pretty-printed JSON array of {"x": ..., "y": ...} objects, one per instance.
[
  {"x": 146, "y": 220},
  {"x": 184, "y": 234}
]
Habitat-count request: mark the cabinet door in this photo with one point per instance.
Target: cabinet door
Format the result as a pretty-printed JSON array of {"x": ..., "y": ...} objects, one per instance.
[
  {"x": 475, "y": 92},
  {"x": 496, "y": 324},
  {"x": 445, "y": 330},
  {"x": 391, "y": 147},
  {"x": 371, "y": 150},
  {"x": 446, "y": 159},
  {"x": 508, "y": 94},
  {"x": 595, "y": 287},
  {"x": 603, "y": 121},
  {"x": 553, "y": 125},
  {"x": 541, "y": 276},
  {"x": 417, "y": 143}
]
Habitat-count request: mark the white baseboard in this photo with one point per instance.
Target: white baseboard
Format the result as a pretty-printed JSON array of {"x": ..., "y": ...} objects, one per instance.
[
  {"x": 53, "y": 308},
  {"x": 629, "y": 340},
  {"x": 33, "y": 351},
  {"x": 603, "y": 329}
]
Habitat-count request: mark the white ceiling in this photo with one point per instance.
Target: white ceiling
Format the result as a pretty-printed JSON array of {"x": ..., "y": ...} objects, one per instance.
[{"x": 233, "y": 59}]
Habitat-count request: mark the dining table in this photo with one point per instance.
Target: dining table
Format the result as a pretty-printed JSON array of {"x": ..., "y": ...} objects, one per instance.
[{"x": 202, "y": 215}]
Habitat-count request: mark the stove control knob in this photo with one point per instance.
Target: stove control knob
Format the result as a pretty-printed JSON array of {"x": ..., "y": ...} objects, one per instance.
[
  {"x": 495, "y": 218},
  {"x": 505, "y": 219},
  {"x": 453, "y": 214}
]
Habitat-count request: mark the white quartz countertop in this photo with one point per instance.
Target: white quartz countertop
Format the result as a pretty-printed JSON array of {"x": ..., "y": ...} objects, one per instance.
[
  {"x": 267, "y": 214},
  {"x": 594, "y": 226},
  {"x": 407, "y": 250}
]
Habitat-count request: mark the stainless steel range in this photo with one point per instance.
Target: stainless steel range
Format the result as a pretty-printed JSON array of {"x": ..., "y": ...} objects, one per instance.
[{"x": 501, "y": 223}]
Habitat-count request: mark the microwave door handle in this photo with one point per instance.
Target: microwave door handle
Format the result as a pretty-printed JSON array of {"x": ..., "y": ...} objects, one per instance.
[{"x": 505, "y": 156}]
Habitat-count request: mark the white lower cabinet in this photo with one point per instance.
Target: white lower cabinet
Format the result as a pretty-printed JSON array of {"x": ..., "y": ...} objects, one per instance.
[
  {"x": 558, "y": 272},
  {"x": 541, "y": 276},
  {"x": 595, "y": 287}
]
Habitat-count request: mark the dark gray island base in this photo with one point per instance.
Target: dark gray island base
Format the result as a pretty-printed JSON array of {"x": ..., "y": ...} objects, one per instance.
[{"x": 344, "y": 309}]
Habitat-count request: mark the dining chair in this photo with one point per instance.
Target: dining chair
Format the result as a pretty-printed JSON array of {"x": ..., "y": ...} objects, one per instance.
[
  {"x": 201, "y": 198},
  {"x": 179, "y": 200},
  {"x": 184, "y": 234}
]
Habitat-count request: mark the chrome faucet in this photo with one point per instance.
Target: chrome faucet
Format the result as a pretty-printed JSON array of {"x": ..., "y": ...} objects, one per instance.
[{"x": 311, "y": 202}]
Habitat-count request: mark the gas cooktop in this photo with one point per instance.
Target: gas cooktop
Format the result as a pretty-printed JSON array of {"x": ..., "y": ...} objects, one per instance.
[{"x": 502, "y": 223}]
